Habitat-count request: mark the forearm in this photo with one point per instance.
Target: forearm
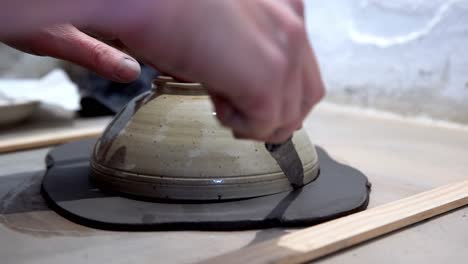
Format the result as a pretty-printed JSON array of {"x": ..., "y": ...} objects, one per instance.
[{"x": 23, "y": 16}]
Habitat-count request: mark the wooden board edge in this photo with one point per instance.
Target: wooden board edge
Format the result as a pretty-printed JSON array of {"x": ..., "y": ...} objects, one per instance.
[
  {"x": 46, "y": 140},
  {"x": 321, "y": 240}
]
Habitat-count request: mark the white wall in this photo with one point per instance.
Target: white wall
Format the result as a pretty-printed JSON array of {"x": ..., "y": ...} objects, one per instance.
[{"x": 408, "y": 56}]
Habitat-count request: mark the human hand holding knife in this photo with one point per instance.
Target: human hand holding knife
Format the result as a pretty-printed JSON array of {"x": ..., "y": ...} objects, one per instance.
[{"x": 289, "y": 161}]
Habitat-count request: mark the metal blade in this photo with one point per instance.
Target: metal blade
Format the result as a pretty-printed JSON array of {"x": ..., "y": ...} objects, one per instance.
[{"x": 289, "y": 161}]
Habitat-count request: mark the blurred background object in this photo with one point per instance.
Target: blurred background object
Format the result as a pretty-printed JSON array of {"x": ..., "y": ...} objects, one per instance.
[
  {"x": 403, "y": 56},
  {"x": 54, "y": 90},
  {"x": 64, "y": 90},
  {"x": 19, "y": 65},
  {"x": 103, "y": 97}
]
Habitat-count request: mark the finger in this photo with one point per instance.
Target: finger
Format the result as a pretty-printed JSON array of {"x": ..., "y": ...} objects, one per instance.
[
  {"x": 100, "y": 34},
  {"x": 255, "y": 90},
  {"x": 242, "y": 126},
  {"x": 258, "y": 122},
  {"x": 292, "y": 94},
  {"x": 297, "y": 6},
  {"x": 279, "y": 136},
  {"x": 108, "y": 37},
  {"x": 314, "y": 89},
  {"x": 293, "y": 43},
  {"x": 291, "y": 107},
  {"x": 282, "y": 134},
  {"x": 222, "y": 107},
  {"x": 68, "y": 43},
  {"x": 251, "y": 96}
]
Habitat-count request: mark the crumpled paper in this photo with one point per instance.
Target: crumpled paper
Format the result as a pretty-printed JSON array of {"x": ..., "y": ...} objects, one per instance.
[{"x": 54, "y": 90}]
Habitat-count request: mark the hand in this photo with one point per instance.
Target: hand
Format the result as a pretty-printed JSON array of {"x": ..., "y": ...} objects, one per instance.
[
  {"x": 68, "y": 43},
  {"x": 253, "y": 56}
]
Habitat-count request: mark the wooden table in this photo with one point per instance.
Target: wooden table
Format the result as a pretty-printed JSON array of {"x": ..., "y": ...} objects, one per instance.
[{"x": 400, "y": 157}]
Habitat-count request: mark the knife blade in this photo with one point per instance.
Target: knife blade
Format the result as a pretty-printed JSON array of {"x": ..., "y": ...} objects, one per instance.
[{"x": 289, "y": 161}]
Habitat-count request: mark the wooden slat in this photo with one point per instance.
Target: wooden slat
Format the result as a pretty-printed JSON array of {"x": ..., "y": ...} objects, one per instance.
[
  {"x": 321, "y": 240},
  {"x": 48, "y": 139}
]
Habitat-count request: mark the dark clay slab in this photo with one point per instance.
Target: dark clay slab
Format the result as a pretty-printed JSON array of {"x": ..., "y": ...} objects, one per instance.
[{"x": 338, "y": 191}]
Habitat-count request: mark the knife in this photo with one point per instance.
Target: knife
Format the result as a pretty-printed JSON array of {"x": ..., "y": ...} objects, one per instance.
[{"x": 289, "y": 161}]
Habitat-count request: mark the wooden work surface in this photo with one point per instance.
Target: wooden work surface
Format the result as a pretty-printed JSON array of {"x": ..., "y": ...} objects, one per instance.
[
  {"x": 45, "y": 130},
  {"x": 401, "y": 158}
]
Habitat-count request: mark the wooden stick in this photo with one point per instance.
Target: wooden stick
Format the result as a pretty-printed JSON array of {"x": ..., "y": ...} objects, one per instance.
[
  {"x": 48, "y": 139},
  {"x": 321, "y": 240}
]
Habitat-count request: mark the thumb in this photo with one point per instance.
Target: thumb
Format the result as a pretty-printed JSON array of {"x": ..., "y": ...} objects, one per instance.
[{"x": 68, "y": 43}]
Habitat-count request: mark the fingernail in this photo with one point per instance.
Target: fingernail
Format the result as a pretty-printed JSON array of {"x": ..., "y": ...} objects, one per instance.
[{"x": 128, "y": 70}]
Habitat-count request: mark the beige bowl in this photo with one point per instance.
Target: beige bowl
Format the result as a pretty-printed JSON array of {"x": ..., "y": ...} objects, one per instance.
[{"x": 168, "y": 144}]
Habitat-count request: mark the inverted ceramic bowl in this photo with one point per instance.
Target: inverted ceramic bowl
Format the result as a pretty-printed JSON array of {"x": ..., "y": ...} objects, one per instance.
[{"x": 168, "y": 144}]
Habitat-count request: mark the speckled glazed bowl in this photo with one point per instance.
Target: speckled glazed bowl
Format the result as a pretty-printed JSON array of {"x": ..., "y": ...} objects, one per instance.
[{"x": 168, "y": 144}]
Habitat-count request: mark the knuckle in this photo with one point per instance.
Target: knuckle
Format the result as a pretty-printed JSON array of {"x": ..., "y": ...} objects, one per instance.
[
  {"x": 265, "y": 122},
  {"x": 275, "y": 67},
  {"x": 291, "y": 109},
  {"x": 319, "y": 94},
  {"x": 263, "y": 108},
  {"x": 294, "y": 29},
  {"x": 100, "y": 53},
  {"x": 290, "y": 115},
  {"x": 307, "y": 105},
  {"x": 272, "y": 67},
  {"x": 279, "y": 66},
  {"x": 298, "y": 6}
]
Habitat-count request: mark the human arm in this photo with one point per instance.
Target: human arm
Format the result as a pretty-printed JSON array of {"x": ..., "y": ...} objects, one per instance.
[{"x": 253, "y": 56}]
